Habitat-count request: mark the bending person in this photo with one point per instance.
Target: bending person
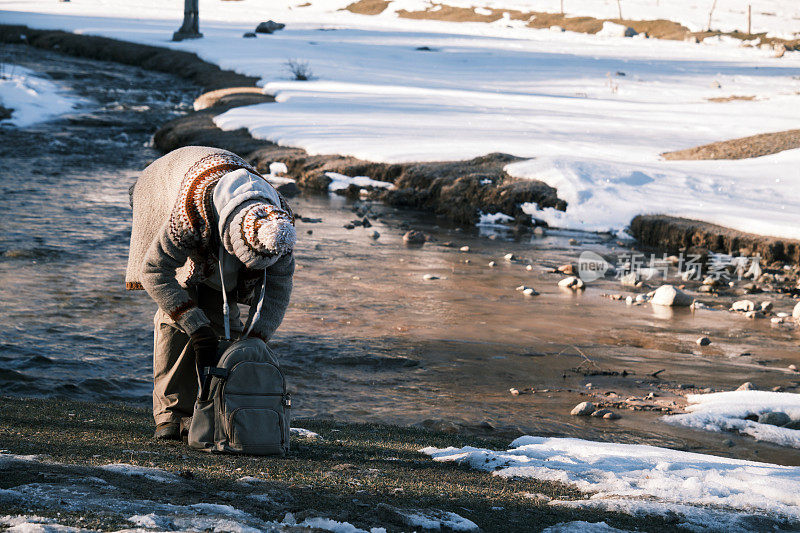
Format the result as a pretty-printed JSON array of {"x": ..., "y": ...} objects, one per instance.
[{"x": 204, "y": 218}]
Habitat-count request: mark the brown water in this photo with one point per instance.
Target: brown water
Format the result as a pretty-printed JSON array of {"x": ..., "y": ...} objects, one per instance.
[{"x": 366, "y": 337}]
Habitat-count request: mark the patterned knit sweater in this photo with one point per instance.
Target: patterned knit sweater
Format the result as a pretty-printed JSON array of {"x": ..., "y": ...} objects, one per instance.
[{"x": 175, "y": 242}]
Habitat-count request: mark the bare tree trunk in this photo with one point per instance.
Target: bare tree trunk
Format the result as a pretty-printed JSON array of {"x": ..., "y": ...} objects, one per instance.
[
  {"x": 619, "y": 8},
  {"x": 562, "y": 7},
  {"x": 190, "y": 29},
  {"x": 749, "y": 18},
  {"x": 711, "y": 14}
]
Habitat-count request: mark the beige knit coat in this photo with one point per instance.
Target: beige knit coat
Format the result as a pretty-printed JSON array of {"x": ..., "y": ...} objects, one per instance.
[{"x": 174, "y": 243}]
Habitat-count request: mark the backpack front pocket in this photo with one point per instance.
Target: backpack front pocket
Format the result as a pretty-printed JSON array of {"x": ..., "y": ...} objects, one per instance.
[{"x": 256, "y": 430}]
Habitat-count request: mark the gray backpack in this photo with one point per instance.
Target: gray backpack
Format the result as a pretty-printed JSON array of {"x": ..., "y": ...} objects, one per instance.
[{"x": 246, "y": 406}]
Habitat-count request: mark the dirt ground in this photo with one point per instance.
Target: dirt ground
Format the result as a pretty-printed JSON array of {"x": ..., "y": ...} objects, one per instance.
[{"x": 359, "y": 473}]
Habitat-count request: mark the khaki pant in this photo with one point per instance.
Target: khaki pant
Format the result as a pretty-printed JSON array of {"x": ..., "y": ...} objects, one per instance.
[{"x": 175, "y": 381}]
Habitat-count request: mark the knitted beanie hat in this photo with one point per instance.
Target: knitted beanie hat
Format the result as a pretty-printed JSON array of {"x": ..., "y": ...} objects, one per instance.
[
  {"x": 258, "y": 234},
  {"x": 254, "y": 221}
]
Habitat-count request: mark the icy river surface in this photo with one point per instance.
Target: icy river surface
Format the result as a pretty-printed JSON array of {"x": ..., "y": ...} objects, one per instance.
[{"x": 367, "y": 337}]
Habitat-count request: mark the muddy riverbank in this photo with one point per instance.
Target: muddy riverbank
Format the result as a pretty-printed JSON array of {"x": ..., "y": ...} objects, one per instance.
[{"x": 370, "y": 336}]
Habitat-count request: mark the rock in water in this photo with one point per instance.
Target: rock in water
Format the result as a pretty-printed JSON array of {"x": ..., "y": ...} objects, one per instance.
[
  {"x": 703, "y": 341},
  {"x": 670, "y": 296},
  {"x": 743, "y": 306},
  {"x": 414, "y": 237},
  {"x": 796, "y": 312},
  {"x": 629, "y": 280},
  {"x": 571, "y": 282},
  {"x": 583, "y": 409},
  {"x": 249, "y": 35},
  {"x": 375, "y": 235},
  {"x": 269, "y": 26},
  {"x": 747, "y": 386},
  {"x": 766, "y": 307},
  {"x": 288, "y": 189},
  {"x": 774, "y": 419},
  {"x": 566, "y": 269},
  {"x": 464, "y": 249}
]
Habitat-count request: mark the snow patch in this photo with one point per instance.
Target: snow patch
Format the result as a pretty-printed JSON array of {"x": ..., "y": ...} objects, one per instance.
[
  {"x": 494, "y": 219},
  {"x": 579, "y": 526},
  {"x": 726, "y": 411},
  {"x": 305, "y": 433},
  {"x": 436, "y": 520},
  {"x": 153, "y": 474},
  {"x": 676, "y": 480},
  {"x": 32, "y": 98},
  {"x": 340, "y": 182}
]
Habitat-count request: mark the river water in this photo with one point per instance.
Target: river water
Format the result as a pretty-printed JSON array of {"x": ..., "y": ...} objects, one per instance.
[{"x": 366, "y": 338}]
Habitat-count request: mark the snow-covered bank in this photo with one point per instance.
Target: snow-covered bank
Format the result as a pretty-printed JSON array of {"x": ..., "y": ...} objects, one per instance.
[
  {"x": 32, "y": 98},
  {"x": 728, "y": 411},
  {"x": 594, "y": 111},
  {"x": 705, "y": 492}
]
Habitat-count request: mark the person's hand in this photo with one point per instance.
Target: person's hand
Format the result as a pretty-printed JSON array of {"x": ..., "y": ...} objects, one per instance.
[{"x": 204, "y": 342}]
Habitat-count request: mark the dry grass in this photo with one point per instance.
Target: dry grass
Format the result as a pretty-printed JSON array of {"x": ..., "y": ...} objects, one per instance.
[
  {"x": 742, "y": 148},
  {"x": 732, "y": 98},
  {"x": 659, "y": 28}
]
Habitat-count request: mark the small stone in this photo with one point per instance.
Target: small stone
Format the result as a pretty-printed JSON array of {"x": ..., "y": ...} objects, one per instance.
[
  {"x": 529, "y": 268},
  {"x": 510, "y": 257},
  {"x": 703, "y": 341},
  {"x": 414, "y": 237},
  {"x": 529, "y": 292},
  {"x": 776, "y": 418},
  {"x": 796, "y": 312},
  {"x": 793, "y": 368},
  {"x": 269, "y": 26},
  {"x": 349, "y": 226},
  {"x": 430, "y": 277},
  {"x": 521, "y": 288},
  {"x": 747, "y": 386},
  {"x": 573, "y": 242},
  {"x": 583, "y": 409},
  {"x": 629, "y": 300},
  {"x": 567, "y": 269},
  {"x": 464, "y": 249},
  {"x": 600, "y": 413},
  {"x": 766, "y": 307},
  {"x": 711, "y": 280},
  {"x": 513, "y": 391},
  {"x": 249, "y": 35},
  {"x": 366, "y": 223},
  {"x": 743, "y": 306},
  {"x": 492, "y": 263},
  {"x": 538, "y": 231},
  {"x": 629, "y": 280},
  {"x": 611, "y": 416},
  {"x": 375, "y": 235},
  {"x": 729, "y": 443},
  {"x": 777, "y": 389},
  {"x": 571, "y": 282},
  {"x": 668, "y": 295}
]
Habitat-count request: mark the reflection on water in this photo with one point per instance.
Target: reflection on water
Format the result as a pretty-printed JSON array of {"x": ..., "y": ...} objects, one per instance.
[{"x": 366, "y": 337}]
